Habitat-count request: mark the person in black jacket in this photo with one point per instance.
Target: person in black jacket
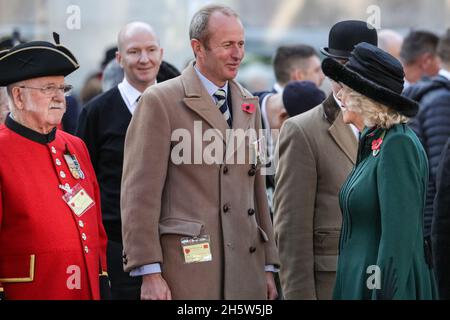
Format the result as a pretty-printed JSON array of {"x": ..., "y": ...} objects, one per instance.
[
  {"x": 432, "y": 123},
  {"x": 103, "y": 125},
  {"x": 441, "y": 225}
]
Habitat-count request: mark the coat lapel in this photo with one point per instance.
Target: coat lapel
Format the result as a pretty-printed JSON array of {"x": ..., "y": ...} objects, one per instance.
[
  {"x": 342, "y": 134},
  {"x": 198, "y": 100},
  {"x": 241, "y": 120}
]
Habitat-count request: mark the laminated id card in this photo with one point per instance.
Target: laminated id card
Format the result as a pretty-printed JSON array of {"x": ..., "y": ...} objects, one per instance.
[
  {"x": 196, "y": 250},
  {"x": 78, "y": 200}
]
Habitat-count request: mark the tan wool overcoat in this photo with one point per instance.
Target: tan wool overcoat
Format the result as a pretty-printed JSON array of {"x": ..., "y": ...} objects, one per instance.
[{"x": 164, "y": 201}]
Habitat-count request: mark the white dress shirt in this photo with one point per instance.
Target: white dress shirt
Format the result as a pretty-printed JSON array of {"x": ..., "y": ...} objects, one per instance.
[
  {"x": 130, "y": 95},
  {"x": 445, "y": 74},
  {"x": 278, "y": 87},
  {"x": 210, "y": 87}
]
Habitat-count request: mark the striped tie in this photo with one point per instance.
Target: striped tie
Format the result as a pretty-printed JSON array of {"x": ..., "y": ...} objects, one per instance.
[{"x": 222, "y": 104}]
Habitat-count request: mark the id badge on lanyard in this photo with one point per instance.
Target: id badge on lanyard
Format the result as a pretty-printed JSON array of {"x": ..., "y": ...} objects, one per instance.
[
  {"x": 197, "y": 249},
  {"x": 77, "y": 199}
]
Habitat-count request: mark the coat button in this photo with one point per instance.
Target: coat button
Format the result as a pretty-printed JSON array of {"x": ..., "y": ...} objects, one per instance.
[
  {"x": 53, "y": 150},
  {"x": 84, "y": 237},
  {"x": 252, "y": 250},
  {"x": 62, "y": 174},
  {"x": 58, "y": 162},
  {"x": 251, "y": 212},
  {"x": 226, "y": 208},
  {"x": 81, "y": 224},
  {"x": 225, "y": 170},
  {"x": 252, "y": 173},
  {"x": 86, "y": 249}
]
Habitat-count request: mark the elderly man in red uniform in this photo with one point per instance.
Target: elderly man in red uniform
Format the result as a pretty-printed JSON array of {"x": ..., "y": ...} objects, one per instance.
[{"x": 52, "y": 241}]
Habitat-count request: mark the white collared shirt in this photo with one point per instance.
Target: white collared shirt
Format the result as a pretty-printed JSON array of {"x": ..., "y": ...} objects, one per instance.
[
  {"x": 406, "y": 84},
  {"x": 130, "y": 95},
  {"x": 444, "y": 73},
  {"x": 278, "y": 87},
  {"x": 210, "y": 87}
]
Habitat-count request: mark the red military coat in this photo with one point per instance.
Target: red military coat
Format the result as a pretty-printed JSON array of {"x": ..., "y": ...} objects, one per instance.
[{"x": 46, "y": 251}]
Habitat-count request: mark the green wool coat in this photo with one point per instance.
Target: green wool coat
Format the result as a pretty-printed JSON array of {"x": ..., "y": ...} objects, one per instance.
[{"x": 382, "y": 253}]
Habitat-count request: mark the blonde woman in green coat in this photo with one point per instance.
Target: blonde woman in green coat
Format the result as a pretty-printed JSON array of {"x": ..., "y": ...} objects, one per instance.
[{"x": 382, "y": 250}]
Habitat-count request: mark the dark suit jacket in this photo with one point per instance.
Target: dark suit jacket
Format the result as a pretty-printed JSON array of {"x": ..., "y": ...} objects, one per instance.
[
  {"x": 103, "y": 125},
  {"x": 441, "y": 225}
]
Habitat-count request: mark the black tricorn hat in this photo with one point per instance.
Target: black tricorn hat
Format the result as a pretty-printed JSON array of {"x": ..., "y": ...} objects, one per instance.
[
  {"x": 36, "y": 59},
  {"x": 375, "y": 74},
  {"x": 345, "y": 35}
]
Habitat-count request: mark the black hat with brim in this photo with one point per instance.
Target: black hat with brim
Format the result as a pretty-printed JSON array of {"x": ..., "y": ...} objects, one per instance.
[
  {"x": 345, "y": 35},
  {"x": 36, "y": 59},
  {"x": 375, "y": 74}
]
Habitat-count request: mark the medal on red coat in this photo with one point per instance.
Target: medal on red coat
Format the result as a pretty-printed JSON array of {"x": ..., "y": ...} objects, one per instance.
[{"x": 74, "y": 166}]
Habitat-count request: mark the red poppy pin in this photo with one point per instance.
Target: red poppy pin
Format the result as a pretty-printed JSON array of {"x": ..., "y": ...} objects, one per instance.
[
  {"x": 249, "y": 108},
  {"x": 376, "y": 145}
]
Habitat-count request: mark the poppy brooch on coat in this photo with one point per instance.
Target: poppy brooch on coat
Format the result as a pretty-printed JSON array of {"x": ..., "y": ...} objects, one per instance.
[
  {"x": 376, "y": 144},
  {"x": 249, "y": 108}
]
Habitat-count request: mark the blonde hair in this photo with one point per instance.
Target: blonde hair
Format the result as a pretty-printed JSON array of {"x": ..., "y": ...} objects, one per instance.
[{"x": 373, "y": 112}]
